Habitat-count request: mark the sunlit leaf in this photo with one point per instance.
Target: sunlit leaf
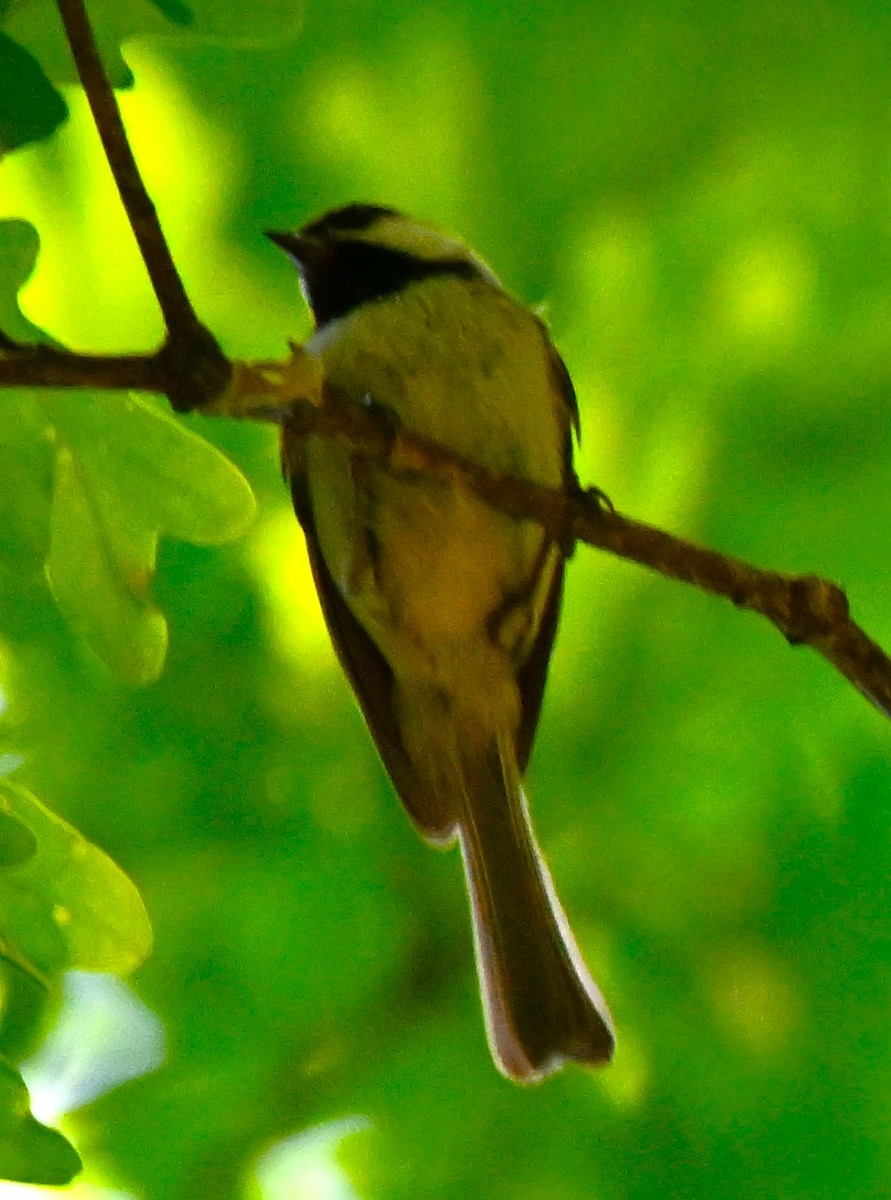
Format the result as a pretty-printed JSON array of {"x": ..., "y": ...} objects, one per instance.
[
  {"x": 68, "y": 906},
  {"x": 125, "y": 474},
  {"x": 102, "y": 600},
  {"x": 153, "y": 472}
]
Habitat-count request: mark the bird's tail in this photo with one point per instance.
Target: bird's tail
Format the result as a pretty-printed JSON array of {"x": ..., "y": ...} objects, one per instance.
[{"x": 542, "y": 1006}]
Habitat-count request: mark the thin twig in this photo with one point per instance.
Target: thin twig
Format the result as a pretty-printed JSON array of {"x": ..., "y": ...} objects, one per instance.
[
  {"x": 171, "y": 294},
  {"x": 45, "y": 367},
  {"x": 191, "y": 353},
  {"x": 41, "y": 366}
]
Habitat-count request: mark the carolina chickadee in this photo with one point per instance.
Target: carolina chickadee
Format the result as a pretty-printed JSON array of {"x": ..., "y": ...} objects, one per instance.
[{"x": 443, "y": 610}]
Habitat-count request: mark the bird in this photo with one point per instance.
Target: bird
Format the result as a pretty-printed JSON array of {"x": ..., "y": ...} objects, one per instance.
[{"x": 443, "y": 610}]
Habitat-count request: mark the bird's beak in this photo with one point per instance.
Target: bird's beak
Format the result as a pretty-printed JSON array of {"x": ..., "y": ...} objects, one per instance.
[{"x": 307, "y": 252}]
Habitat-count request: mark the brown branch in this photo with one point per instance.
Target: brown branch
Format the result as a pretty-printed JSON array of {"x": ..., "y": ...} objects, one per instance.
[
  {"x": 251, "y": 390},
  {"x": 196, "y": 365},
  {"x": 805, "y": 609},
  {"x": 45, "y": 367}
]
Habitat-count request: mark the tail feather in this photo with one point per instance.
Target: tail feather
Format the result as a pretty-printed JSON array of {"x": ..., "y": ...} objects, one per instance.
[{"x": 542, "y": 1006}]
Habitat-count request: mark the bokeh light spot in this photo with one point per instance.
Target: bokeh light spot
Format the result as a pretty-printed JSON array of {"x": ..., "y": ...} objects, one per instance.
[
  {"x": 305, "y": 1167},
  {"x": 294, "y": 619},
  {"x": 754, "y": 999}
]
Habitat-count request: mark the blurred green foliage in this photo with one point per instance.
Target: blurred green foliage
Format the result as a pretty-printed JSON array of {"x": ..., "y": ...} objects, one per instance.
[{"x": 701, "y": 196}]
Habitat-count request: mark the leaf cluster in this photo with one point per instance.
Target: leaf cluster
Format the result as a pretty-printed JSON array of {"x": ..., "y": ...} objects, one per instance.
[{"x": 698, "y": 192}]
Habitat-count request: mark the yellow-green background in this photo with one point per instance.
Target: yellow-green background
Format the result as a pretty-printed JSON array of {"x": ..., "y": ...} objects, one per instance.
[{"x": 700, "y": 195}]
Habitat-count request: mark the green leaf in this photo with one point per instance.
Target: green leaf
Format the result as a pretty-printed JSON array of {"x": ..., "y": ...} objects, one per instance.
[
  {"x": 29, "y": 1151},
  {"x": 157, "y": 473},
  {"x": 30, "y": 107},
  {"x": 29, "y": 1002},
  {"x": 127, "y": 473},
  {"x": 36, "y": 26},
  {"x": 63, "y": 904},
  {"x": 19, "y": 246},
  {"x": 102, "y": 600},
  {"x": 26, "y": 469},
  {"x": 175, "y": 12},
  {"x": 17, "y": 840},
  {"x": 69, "y": 906},
  {"x": 25, "y": 452}
]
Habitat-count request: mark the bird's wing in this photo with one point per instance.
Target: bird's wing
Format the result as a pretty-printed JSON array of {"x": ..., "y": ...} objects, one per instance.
[{"x": 369, "y": 673}]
